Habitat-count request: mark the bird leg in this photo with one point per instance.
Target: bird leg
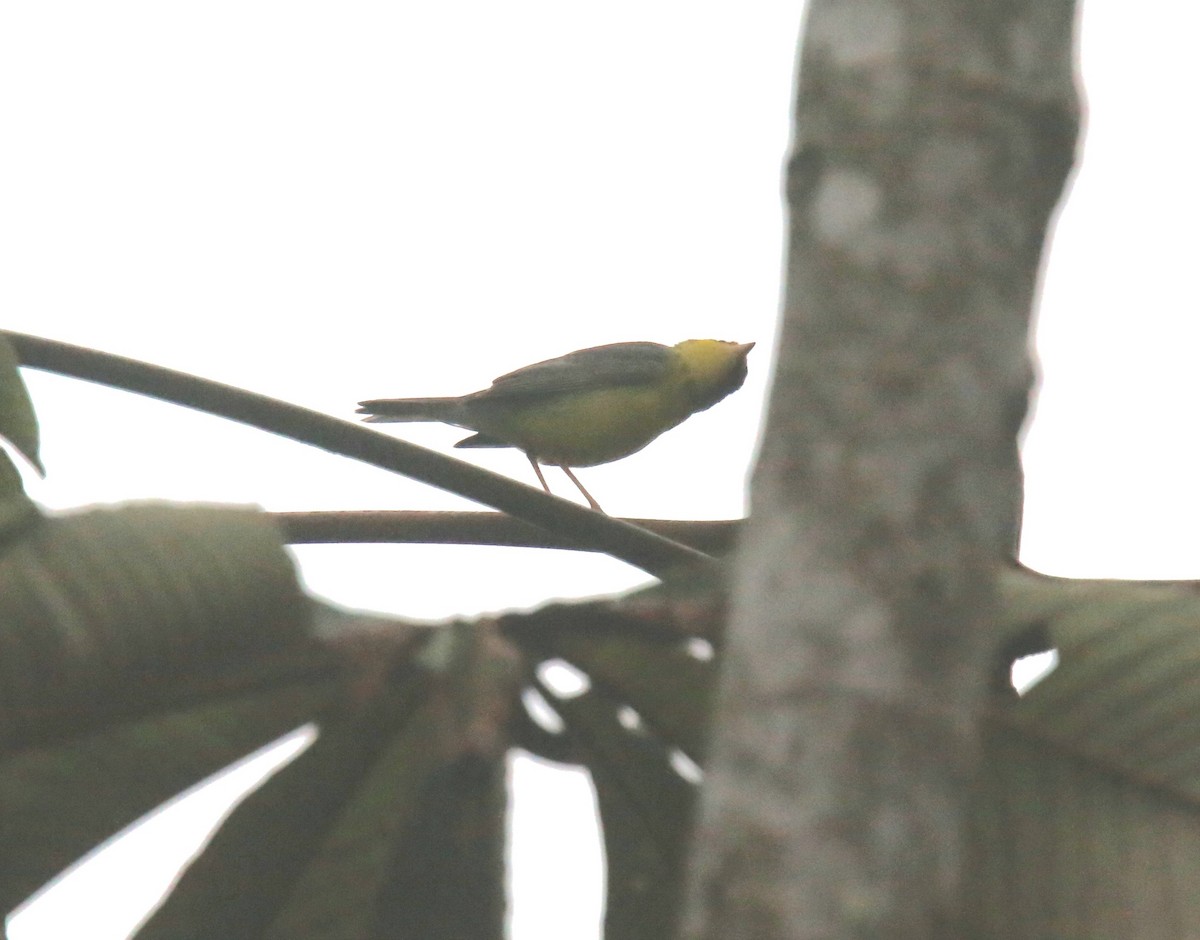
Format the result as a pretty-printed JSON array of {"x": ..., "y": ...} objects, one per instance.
[
  {"x": 541, "y": 479},
  {"x": 586, "y": 495},
  {"x": 567, "y": 470}
]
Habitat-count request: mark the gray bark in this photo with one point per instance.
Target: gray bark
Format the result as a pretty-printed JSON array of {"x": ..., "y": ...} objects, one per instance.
[{"x": 933, "y": 139}]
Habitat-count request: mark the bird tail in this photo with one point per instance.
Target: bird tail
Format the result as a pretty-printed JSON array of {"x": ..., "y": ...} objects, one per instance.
[{"x": 380, "y": 410}]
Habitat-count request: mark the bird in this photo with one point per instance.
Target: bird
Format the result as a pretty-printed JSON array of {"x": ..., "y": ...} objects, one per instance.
[{"x": 588, "y": 407}]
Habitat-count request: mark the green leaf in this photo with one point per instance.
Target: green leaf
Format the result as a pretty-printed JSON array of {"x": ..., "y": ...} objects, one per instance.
[
  {"x": 663, "y": 682},
  {"x": 59, "y": 802},
  {"x": 645, "y": 810},
  {"x": 111, "y": 613},
  {"x": 648, "y": 703},
  {"x": 391, "y": 824},
  {"x": 1127, "y": 690},
  {"x": 18, "y": 423},
  {"x": 1087, "y": 817},
  {"x": 239, "y": 885},
  {"x": 17, "y": 511}
]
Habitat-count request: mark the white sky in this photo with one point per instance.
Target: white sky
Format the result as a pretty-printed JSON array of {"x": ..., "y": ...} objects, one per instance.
[{"x": 331, "y": 202}]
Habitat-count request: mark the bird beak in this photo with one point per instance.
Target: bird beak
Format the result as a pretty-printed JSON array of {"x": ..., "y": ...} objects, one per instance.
[{"x": 744, "y": 348}]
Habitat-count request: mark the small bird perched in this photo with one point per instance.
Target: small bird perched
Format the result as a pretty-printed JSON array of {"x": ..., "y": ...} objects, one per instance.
[{"x": 587, "y": 407}]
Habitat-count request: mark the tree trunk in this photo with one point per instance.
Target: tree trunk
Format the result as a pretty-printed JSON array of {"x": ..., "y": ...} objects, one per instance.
[{"x": 933, "y": 139}]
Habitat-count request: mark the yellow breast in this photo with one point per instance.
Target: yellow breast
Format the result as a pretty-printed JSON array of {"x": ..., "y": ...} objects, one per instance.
[{"x": 588, "y": 428}]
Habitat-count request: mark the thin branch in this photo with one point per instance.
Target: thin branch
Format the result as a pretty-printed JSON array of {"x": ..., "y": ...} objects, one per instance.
[{"x": 480, "y": 528}]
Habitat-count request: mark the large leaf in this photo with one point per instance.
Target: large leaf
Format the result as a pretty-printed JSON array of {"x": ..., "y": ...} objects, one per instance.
[
  {"x": 140, "y": 650},
  {"x": 17, "y": 511},
  {"x": 1126, "y": 694},
  {"x": 391, "y": 825},
  {"x": 18, "y": 424},
  {"x": 645, "y": 810},
  {"x": 60, "y": 802},
  {"x": 651, "y": 651},
  {"x": 112, "y": 613},
  {"x": 1088, "y": 810},
  {"x": 645, "y": 712}
]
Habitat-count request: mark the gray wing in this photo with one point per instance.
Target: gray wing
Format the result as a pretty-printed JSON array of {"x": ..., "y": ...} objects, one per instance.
[{"x": 614, "y": 366}]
